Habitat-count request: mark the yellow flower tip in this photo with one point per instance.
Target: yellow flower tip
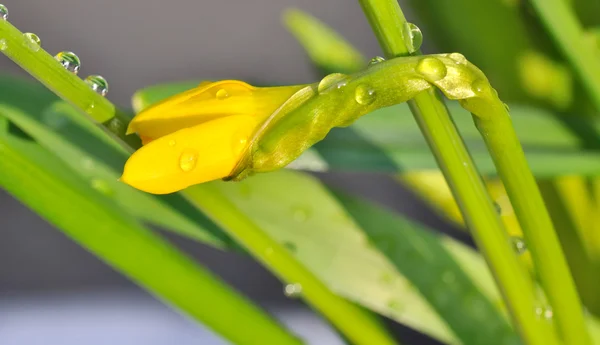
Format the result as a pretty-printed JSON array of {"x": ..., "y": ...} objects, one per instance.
[{"x": 189, "y": 156}]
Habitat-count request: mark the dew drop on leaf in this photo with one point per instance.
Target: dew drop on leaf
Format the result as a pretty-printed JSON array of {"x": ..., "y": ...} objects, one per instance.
[
  {"x": 3, "y": 44},
  {"x": 364, "y": 94},
  {"x": 432, "y": 69},
  {"x": 293, "y": 290},
  {"x": 3, "y": 12},
  {"x": 301, "y": 214},
  {"x": 376, "y": 60},
  {"x": 102, "y": 186},
  {"x": 69, "y": 60},
  {"x": 518, "y": 244},
  {"x": 188, "y": 160},
  {"x": 33, "y": 41},
  {"x": 98, "y": 84},
  {"x": 413, "y": 38}
]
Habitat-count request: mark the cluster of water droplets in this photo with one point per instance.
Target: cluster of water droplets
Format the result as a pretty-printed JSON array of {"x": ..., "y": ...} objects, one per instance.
[{"x": 69, "y": 60}]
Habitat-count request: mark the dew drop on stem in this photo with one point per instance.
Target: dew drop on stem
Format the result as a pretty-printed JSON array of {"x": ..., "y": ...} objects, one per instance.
[
  {"x": 293, "y": 290},
  {"x": 413, "y": 38},
  {"x": 98, "y": 84},
  {"x": 376, "y": 60},
  {"x": 364, "y": 94},
  {"x": 518, "y": 244},
  {"x": 69, "y": 61},
  {"x": 3, "y": 12},
  {"x": 33, "y": 41}
]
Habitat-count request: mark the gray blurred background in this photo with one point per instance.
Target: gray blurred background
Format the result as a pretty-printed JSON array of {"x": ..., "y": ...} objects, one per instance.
[{"x": 51, "y": 290}]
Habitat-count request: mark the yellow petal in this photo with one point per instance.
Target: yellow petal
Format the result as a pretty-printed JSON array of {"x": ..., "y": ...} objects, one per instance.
[
  {"x": 202, "y": 153},
  {"x": 207, "y": 102}
]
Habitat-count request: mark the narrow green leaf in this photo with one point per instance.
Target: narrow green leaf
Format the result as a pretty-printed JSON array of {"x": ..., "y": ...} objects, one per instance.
[
  {"x": 323, "y": 45},
  {"x": 40, "y": 180}
]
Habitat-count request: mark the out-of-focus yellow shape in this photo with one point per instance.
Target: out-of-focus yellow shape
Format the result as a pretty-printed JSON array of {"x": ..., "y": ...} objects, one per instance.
[{"x": 199, "y": 135}]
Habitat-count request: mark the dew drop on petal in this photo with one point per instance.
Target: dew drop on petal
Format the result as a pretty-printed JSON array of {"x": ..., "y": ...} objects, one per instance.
[
  {"x": 33, "y": 41},
  {"x": 293, "y": 290},
  {"x": 98, "y": 84},
  {"x": 432, "y": 69},
  {"x": 172, "y": 143},
  {"x": 376, "y": 60},
  {"x": 188, "y": 160},
  {"x": 69, "y": 60},
  {"x": 413, "y": 38},
  {"x": 364, "y": 94},
  {"x": 3, "y": 12},
  {"x": 518, "y": 244},
  {"x": 222, "y": 94},
  {"x": 330, "y": 80}
]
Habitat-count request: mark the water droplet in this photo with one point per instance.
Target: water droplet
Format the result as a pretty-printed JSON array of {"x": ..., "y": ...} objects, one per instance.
[
  {"x": 172, "y": 143},
  {"x": 364, "y": 94},
  {"x": 87, "y": 163},
  {"x": 222, "y": 94},
  {"x": 330, "y": 80},
  {"x": 188, "y": 160},
  {"x": 33, "y": 41},
  {"x": 458, "y": 58},
  {"x": 3, "y": 44},
  {"x": 413, "y": 38},
  {"x": 90, "y": 108},
  {"x": 376, "y": 60},
  {"x": 102, "y": 186},
  {"x": 432, "y": 69},
  {"x": 293, "y": 290},
  {"x": 290, "y": 246},
  {"x": 98, "y": 84},
  {"x": 498, "y": 208},
  {"x": 545, "y": 312},
  {"x": 395, "y": 305},
  {"x": 518, "y": 244},
  {"x": 301, "y": 214},
  {"x": 480, "y": 86},
  {"x": 69, "y": 60},
  {"x": 115, "y": 125},
  {"x": 448, "y": 277},
  {"x": 3, "y": 12}
]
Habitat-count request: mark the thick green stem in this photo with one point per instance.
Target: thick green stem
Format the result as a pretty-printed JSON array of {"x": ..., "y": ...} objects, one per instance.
[
  {"x": 561, "y": 22},
  {"x": 355, "y": 323},
  {"x": 518, "y": 290},
  {"x": 524, "y": 194}
]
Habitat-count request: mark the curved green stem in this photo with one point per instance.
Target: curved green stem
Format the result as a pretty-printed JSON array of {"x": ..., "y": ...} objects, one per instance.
[
  {"x": 561, "y": 22},
  {"x": 518, "y": 290}
]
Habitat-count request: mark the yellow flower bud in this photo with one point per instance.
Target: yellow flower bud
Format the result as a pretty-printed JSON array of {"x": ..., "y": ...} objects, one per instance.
[{"x": 199, "y": 135}]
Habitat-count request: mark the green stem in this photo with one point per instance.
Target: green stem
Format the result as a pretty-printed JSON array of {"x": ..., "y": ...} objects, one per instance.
[
  {"x": 525, "y": 196},
  {"x": 387, "y": 21},
  {"x": 562, "y": 23},
  {"x": 355, "y": 323}
]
